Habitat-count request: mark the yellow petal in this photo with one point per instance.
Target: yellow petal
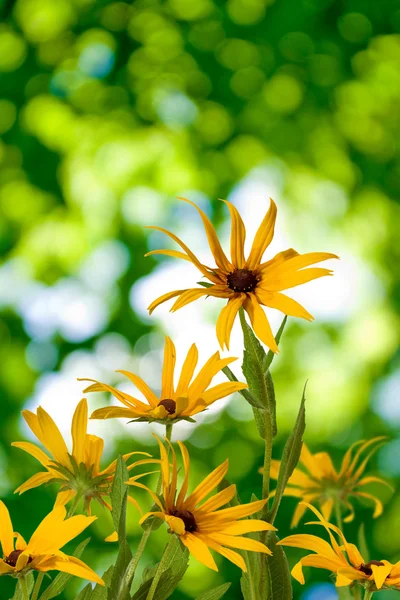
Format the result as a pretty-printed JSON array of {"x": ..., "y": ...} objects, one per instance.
[
  {"x": 5, "y": 568},
  {"x": 142, "y": 387},
  {"x": 220, "y": 499},
  {"x": 215, "y": 247},
  {"x": 221, "y": 390},
  {"x": 371, "y": 479},
  {"x": 6, "y": 530},
  {"x": 326, "y": 508},
  {"x": 263, "y": 237},
  {"x": 309, "y": 542},
  {"x": 73, "y": 565},
  {"x": 34, "y": 451},
  {"x": 238, "y": 237},
  {"x": 93, "y": 451},
  {"x": 167, "y": 388},
  {"x": 378, "y": 504},
  {"x": 36, "y": 481},
  {"x": 166, "y": 252},
  {"x": 292, "y": 261},
  {"x": 20, "y": 543},
  {"x": 206, "y": 272},
  {"x": 285, "y": 281},
  {"x": 297, "y": 515},
  {"x": 260, "y": 323},
  {"x": 188, "y": 369},
  {"x": 115, "y": 412},
  {"x": 226, "y": 319},
  {"x": 186, "y": 466},
  {"x": 207, "y": 485},
  {"x": 175, "y": 524},
  {"x": 163, "y": 298},
  {"x": 231, "y": 555},
  {"x": 206, "y": 374},
  {"x": 240, "y": 543},
  {"x": 283, "y": 303},
  {"x": 64, "y": 497},
  {"x": 234, "y": 513},
  {"x": 112, "y": 538},
  {"x": 199, "y": 550},
  {"x": 78, "y": 431},
  {"x": 248, "y": 526},
  {"x": 54, "y": 441}
]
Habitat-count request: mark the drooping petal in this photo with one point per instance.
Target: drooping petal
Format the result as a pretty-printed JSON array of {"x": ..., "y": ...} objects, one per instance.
[
  {"x": 34, "y": 451},
  {"x": 226, "y": 319},
  {"x": 190, "y": 295},
  {"x": 238, "y": 237},
  {"x": 6, "y": 530},
  {"x": 260, "y": 323},
  {"x": 310, "y": 542},
  {"x": 215, "y": 247},
  {"x": 36, "y": 480},
  {"x": 283, "y": 303},
  {"x": 371, "y": 479},
  {"x": 263, "y": 237},
  {"x": 78, "y": 431},
  {"x": 163, "y": 298},
  {"x": 199, "y": 550},
  {"x": 378, "y": 504},
  {"x": 73, "y": 565}
]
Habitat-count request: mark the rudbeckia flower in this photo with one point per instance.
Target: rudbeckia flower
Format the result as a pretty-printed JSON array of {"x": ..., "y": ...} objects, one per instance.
[
  {"x": 316, "y": 480},
  {"x": 201, "y": 525},
  {"x": 189, "y": 397},
  {"x": 78, "y": 472},
  {"x": 43, "y": 551},
  {"x": 344, "y": 560},
  {"x": 246, "y": 282}
]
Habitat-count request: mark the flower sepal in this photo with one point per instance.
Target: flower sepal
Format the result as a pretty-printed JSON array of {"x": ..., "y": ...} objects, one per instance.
[{"x": 162, "y": 421}]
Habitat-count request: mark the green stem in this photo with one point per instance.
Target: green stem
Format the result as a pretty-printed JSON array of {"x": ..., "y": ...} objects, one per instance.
[
  {"x": 24, "y": 587},
  {"x": 162, "y": 567},
  {"x": 37, "y": 587},
  {"x": 338, "y": 514},
  {"x": 131, "y": 569},
  {"x": 368, "y": 594},
  {"x": 267, "y": 463}
]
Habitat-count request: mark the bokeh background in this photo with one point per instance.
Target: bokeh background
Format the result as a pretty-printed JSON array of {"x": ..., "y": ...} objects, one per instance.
[{"x": 108, "y": 111}]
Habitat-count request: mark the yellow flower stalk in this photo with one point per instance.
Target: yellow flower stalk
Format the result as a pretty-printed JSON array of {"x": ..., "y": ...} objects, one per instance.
[
  {"x": 344, "y": 560},
  {"x": 199, "y": 523},
  {"x": 43, "y": 551},
  {"x": 78, "y": 472},
  {"x": 315, "y": 480},
  {"x": 190, "y": 396},
  {"x": 246, "y": 282}
]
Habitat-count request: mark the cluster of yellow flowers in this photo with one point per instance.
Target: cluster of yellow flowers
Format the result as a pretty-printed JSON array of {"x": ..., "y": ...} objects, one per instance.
[{"x": 199, "y": 520}]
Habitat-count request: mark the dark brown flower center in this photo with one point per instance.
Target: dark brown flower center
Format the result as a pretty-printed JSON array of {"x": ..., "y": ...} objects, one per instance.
[
  {"x": 13, "y": 557},
  {"x": 242, "y": 280},
  {"x": 367, "y": 567},
  {"x": 188, "y": 519},
  {"x": 169, "y": 405}
]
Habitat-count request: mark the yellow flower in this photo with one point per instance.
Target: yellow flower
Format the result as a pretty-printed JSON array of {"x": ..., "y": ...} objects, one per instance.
[
  {"x": 343, "y": 559},
  {"x": 247, "y": 283},
  {"x": 78, "y": 472},
  {"x": 316, "y": 480},
  {"x": 43, "y": 551},
  {"x": 201, "y": 525},
  {"x": 190, "y": 396}
]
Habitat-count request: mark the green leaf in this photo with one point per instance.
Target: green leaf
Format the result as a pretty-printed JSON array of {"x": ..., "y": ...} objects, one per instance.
[
  {"x": 290, "y": 457},
  {"x": 100, "y": 592},
  {"x": 62, "y": 580},
  {"x": 271, "y": 355},
  {"x": 30, "y": 582},
  {"x": 216, "y": 593},
  {"x": 85, "y": 594},
  {"x": 250, "y": 581},
  {"x": 278, "y": 581},
  {"x": 119, "y": 494},
  {"x": 177, "y": 565},
  {"x": 205, "y": 284}
]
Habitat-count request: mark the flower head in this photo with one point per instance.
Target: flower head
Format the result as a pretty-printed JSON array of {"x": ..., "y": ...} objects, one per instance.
[
  {"x": 246, "y": 282},
  {"x": 43, "y": 551},
  {"x": 344, "y": 560},
  {"x": 189, "y": 397},
  {"x": 201, "y": 525},
  {"x": 78, "y": 472},
  {"x": 316, "y": 480}
]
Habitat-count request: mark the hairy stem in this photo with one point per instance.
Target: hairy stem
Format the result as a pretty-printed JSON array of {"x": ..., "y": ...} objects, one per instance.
[
  {"x": 131, "y": 569},
  {"x": 368, "y": 594},
  {"x": 162, "y": 567},
  {"x": 24, "y": 587},
  {"x": 37, "y": 587}
]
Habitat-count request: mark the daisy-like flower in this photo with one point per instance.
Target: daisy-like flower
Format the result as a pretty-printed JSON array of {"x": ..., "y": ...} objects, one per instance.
[
  {"x": 43, "y": 551},
  {"x": 189, "y": 397},
  {"x": 344, "y": 560},
  {"x": 78, "y": 472},
  {"x": 246, "y": 282},
  {"x": 315, "y": 480},
  {"x": 200, "y": 525}
]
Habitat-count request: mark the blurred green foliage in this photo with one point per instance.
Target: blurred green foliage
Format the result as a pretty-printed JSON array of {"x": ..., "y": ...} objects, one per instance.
[{"x": 110, "y": 109}]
